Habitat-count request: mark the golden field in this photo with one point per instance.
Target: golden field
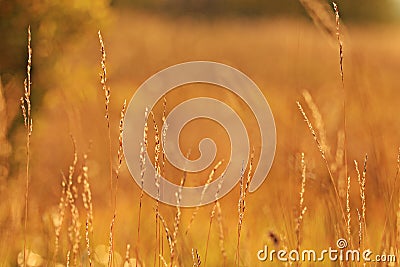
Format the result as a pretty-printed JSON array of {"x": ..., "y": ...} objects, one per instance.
[{"x": 286, "y": 58}]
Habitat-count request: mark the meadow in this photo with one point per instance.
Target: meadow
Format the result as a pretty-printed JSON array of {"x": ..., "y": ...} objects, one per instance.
[{"x": 85, "y": 209}]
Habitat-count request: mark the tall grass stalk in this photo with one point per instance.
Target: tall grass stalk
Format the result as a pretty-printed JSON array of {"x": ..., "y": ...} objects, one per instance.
[
  {"x": 323, "y": 155},
  {"x": 157, "y": 150},
  {"x": 88, "y": 205},
  {"x": 212, "y": 215},
  {"x": 302, "y": 207},
  {"x": 168, "y": 235},
  {"x": 164, "y": 129},
  {"x": 348, "y": 225},
  {"x": 221, "y": 236},
  {"x": 26, "y": 112},
  {"x": 107, "y": 94},
  {"x": 72, "y": 194},
  {"x": 61, "y": 215},
  {"x": 117, "y": 171},
  {"x": 361, "y": 181},
  {"x": 143, "y": 151},
  {"x": 244, "y": 186},
  {"x": 341, "y": 57},
  {"x": 319, "y": 122}
]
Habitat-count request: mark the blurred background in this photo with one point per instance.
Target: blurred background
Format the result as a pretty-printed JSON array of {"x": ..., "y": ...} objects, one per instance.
[{"x": 285, "y": 46}]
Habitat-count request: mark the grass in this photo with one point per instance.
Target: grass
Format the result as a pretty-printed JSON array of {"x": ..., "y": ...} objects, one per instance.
[
  {"x": 70, "y": 221},
  {"x": 26, "y": 108}
]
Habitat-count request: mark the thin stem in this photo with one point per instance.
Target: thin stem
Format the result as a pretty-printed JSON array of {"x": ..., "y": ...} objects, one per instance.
[{"x": 26, "y": 110}]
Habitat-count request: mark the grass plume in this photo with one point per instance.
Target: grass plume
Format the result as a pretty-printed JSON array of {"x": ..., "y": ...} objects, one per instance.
[
  {"x": 344, "y": 100},
  {"x": 26, "y": 112},
  {"x": 107, "y": 95},
  {"x": 320, "y": 13},
  {"x": 72, "y": 195},
  {"x": 143, "y": 151},
  {"x": 302, "y": 208},
  {"x": 319, "y": 122},
  {"x": 361, "y": 181},
  {"x": 88, "y": 206},
  {"x": 323, "y": 155},
  {"x": 58, "y": 222},
  {"x": 244, "y": 186},
  {"x": 117, "y": 173},
  {"x": 339, "y": 39},
  {"x": 157, "y": 167}
]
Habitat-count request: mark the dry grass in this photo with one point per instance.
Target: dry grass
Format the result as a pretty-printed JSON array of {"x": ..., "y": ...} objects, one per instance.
[
  {"x": 143, "y": 149},
  {"x": 26, "y": 108},
  {"x": 107, "y": 95},
  {"x": 78, "y": 226},
  {"x": 302, "y": 207},
  {"x": 196, "y": 258},
  {"x": 362, "y": 215},
  {"x": 244, "y": 186},
  {"x": 323, "y": 155}
]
